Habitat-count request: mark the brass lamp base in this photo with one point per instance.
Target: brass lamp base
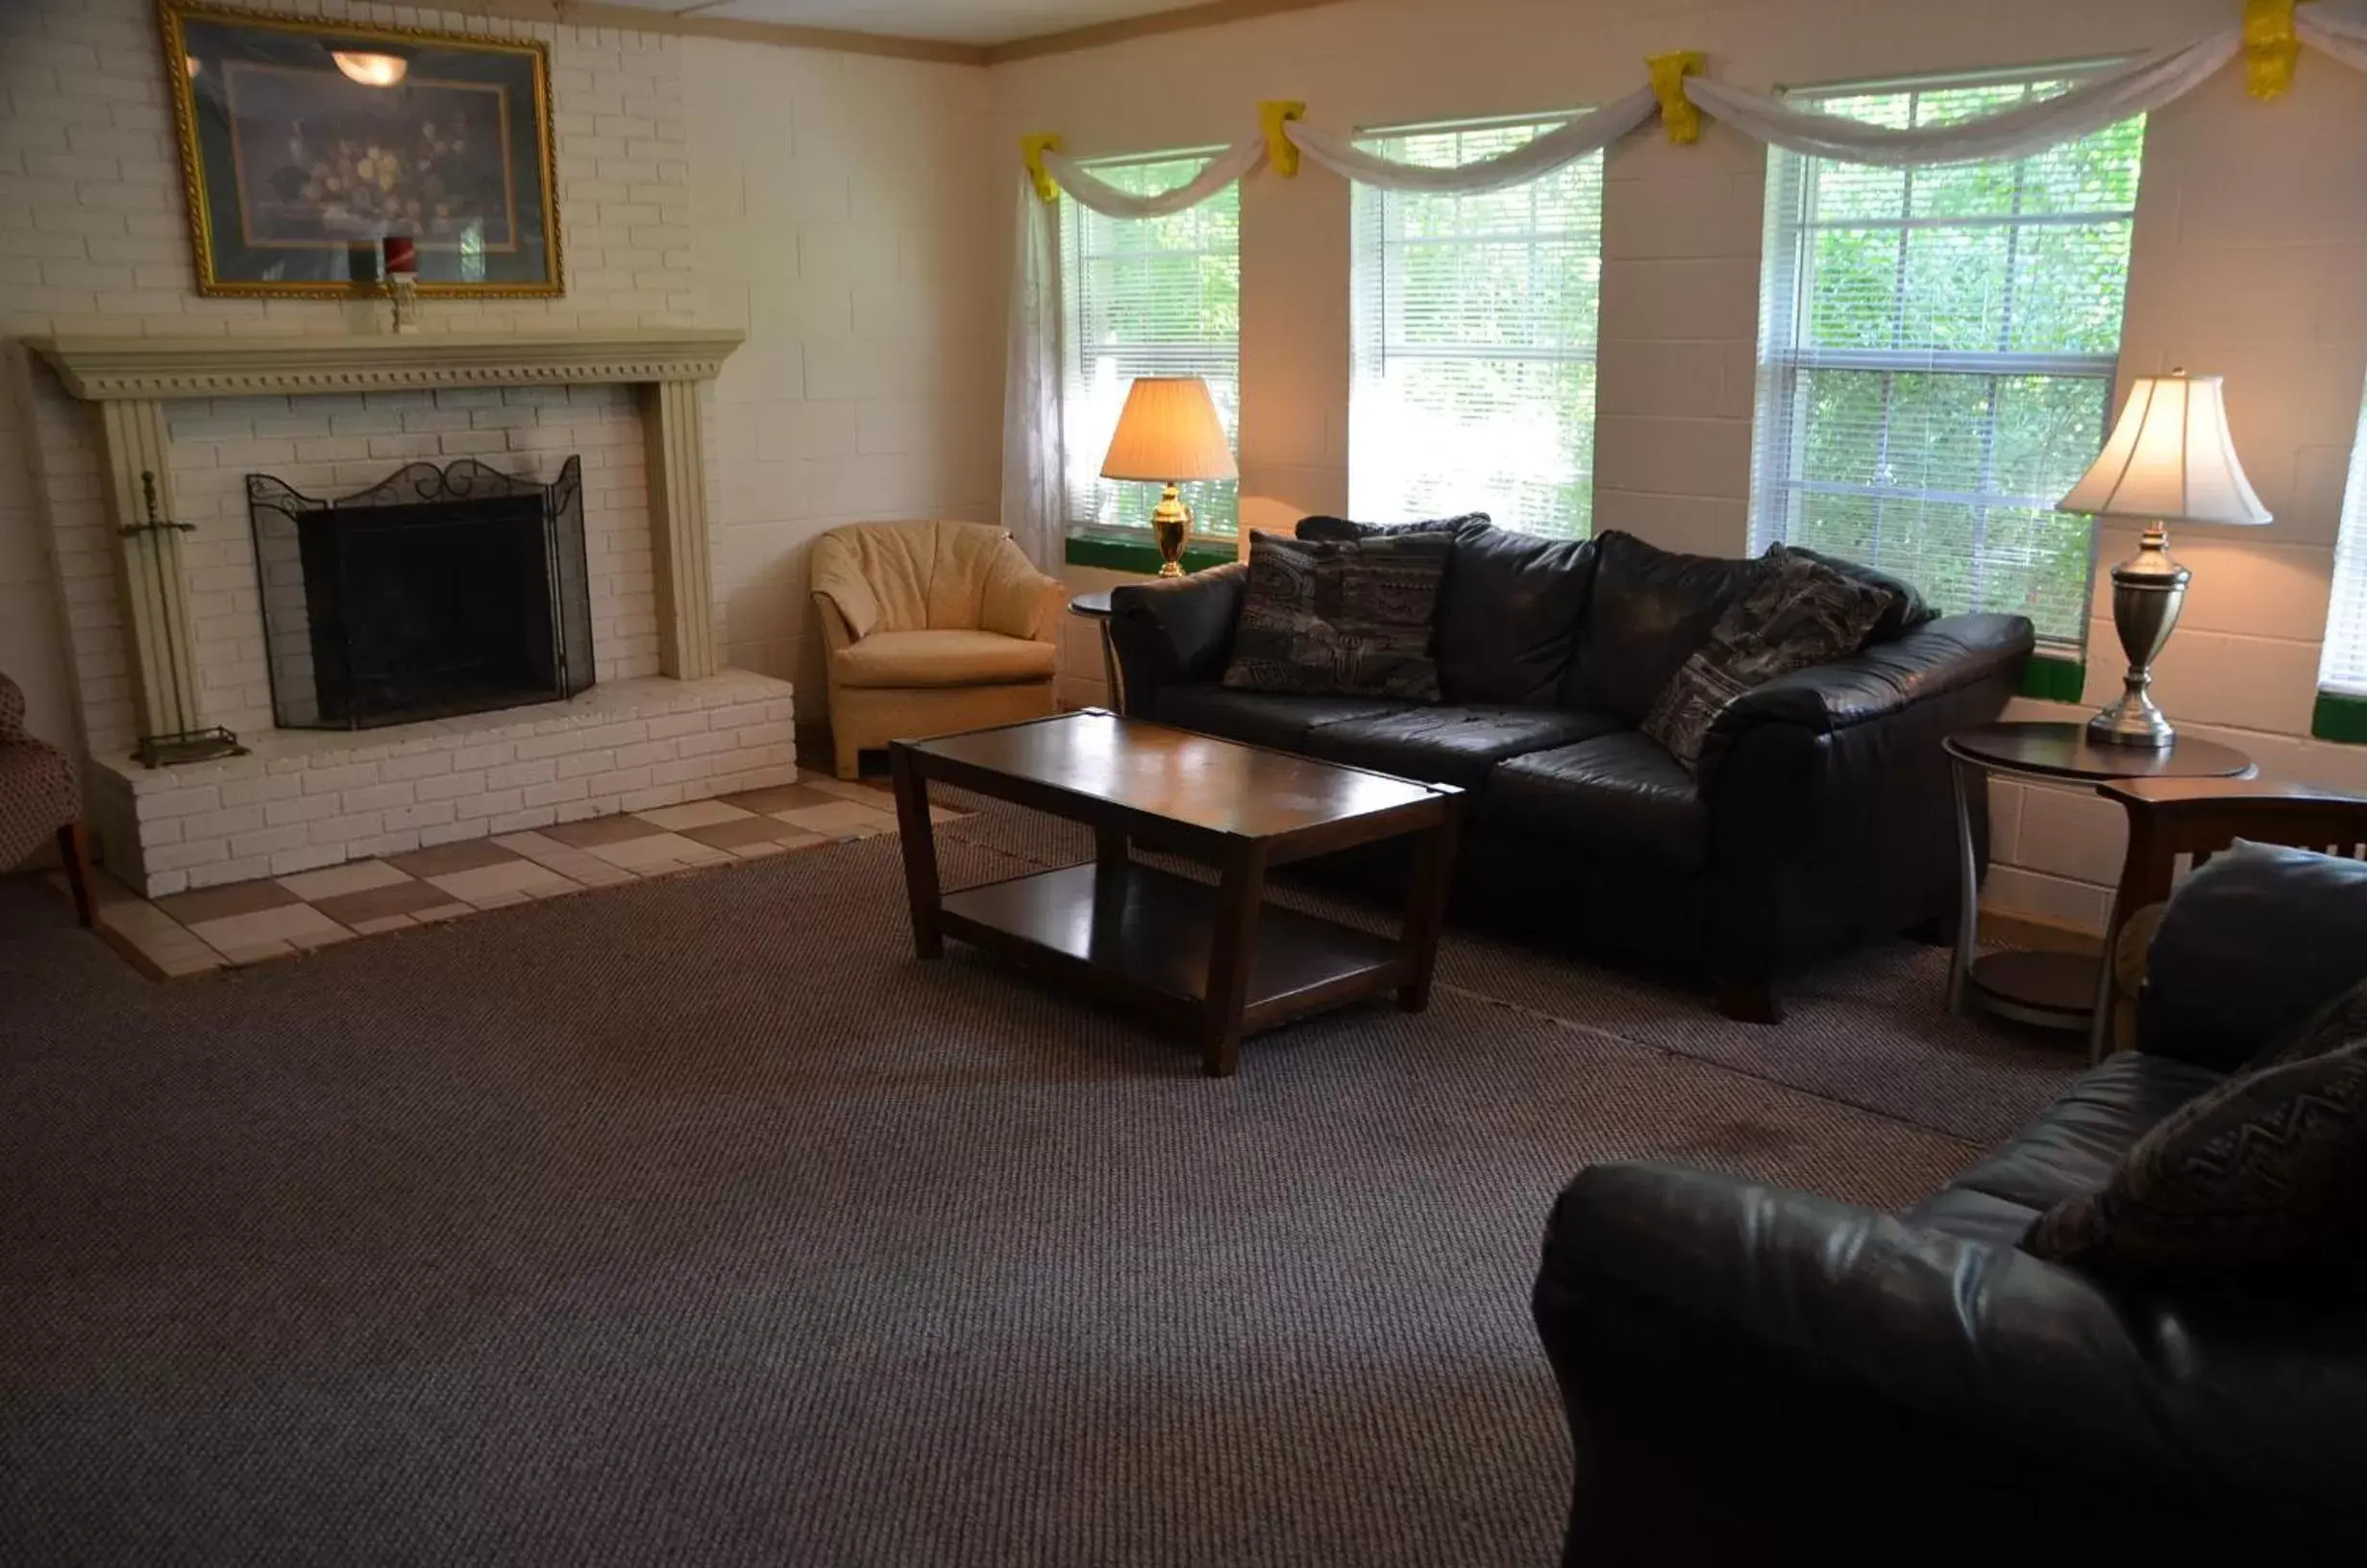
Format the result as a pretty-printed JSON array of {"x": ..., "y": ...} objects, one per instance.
[
  {"x": 1170, "y": 524},
  {"x": 2149, "y": 589}
]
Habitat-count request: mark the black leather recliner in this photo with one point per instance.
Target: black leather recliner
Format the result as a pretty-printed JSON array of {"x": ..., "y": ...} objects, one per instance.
[
  {"x": 1821, "y": 816},
  {"x": 1756, "y": 1375}
]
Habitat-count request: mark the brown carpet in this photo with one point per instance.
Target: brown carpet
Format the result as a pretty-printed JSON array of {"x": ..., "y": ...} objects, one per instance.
[{"x": 694, "y": 1221}]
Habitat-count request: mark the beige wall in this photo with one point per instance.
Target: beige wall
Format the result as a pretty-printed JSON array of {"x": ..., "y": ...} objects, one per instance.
[{"x": 2249, "y": 259}]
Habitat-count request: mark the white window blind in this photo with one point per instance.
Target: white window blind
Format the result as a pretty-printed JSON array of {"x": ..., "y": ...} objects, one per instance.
[
  {"x": 1474, "y": 338},
  {"x": 2343, "y": 667},
  {"x": 1936, "y": 353},
  {"x": 1148, "y": 297}
]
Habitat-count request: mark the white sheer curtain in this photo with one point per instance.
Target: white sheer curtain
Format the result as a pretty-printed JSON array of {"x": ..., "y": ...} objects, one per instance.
[
  {"x": 2340, "y": 30},
  {"x": 1235, "y": 162},
  {"x": 1536, "y": 158},
  {"x": 1034, "y": 508},
  {"x": 2013, "y": 132}
]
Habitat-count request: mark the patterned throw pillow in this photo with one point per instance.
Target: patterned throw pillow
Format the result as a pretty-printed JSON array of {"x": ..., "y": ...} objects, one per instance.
[
  {"x": 2336, "y": 1024},
  {"x": 1351, "y": 618},
  {"x": 1796, "y": 612},
  {"x": 2268, "y": 1168}
]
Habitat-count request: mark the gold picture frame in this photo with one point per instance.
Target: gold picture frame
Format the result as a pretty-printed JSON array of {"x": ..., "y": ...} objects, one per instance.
[{"x": 305, "y": 143}]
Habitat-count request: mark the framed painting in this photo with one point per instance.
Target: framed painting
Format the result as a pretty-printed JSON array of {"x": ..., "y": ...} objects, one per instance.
[{"x": 306, "y": 145}]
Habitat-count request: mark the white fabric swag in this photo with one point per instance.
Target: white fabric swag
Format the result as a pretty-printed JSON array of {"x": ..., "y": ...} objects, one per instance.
[
  {"x": 2340, "y": 31},
  {"x": 1532, "y": 159},
  {"x": 1235, "y": 162},
  {"x": 2027, "y": 128},
  {"x": 1034, "y": 506}
]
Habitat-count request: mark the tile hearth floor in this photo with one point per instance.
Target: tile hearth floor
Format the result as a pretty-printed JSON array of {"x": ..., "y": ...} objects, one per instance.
[{"x": 249, "y": 922}]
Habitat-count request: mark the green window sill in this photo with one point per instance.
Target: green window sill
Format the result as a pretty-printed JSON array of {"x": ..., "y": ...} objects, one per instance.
[
  {"x": 1116, "y": 553},
  {"x": 2340, "y": 716},
  {"x": 2054, "y": 677}
]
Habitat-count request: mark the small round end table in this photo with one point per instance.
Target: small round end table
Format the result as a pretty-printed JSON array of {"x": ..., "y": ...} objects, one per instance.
[
  {"x": 2053, "y": 991},
  {"x": 1096, "y": 606}
]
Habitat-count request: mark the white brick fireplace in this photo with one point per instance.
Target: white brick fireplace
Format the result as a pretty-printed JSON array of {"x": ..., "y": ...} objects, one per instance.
[{"x": 142, "y": 468}]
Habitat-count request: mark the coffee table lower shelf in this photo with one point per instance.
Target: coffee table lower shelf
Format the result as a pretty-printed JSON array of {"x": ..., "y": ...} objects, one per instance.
[{"x": 1144, "y": 939}]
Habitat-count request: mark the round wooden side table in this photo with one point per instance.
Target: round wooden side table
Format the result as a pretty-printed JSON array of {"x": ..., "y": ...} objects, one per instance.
[
  {"x": 2053, "y": 991},
  {"x": 1096, "y": 606}
]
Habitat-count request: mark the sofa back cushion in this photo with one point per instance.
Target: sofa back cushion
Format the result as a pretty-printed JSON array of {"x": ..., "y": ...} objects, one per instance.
[
  {"x": 1332, "y": 531},
  {"x": 1651, "y": 609},
  {"x": 1509, "y": 614},
  {"x": 2249, "y": 948},
  {"x": 1352, "y": 618},
  {"x": 1508, "y": 611},
  {"x": 910, "y": 576}
]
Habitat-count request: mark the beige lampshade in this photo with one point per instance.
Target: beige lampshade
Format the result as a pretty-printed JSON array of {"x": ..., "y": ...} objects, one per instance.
[
  {"x": 2169, "y": 459},
  {"x": 1169, "y": 430}
]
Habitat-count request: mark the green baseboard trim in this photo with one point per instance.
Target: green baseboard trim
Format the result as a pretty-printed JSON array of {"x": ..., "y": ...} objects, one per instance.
[
  {"x": 1139, "y": 554},
  {"x": 2340, "y": 716},
  {"x": 2050, "y": 677}
]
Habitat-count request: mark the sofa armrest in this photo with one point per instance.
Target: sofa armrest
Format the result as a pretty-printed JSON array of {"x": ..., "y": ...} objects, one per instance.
[
  {"x": 1861, "y": 1309},
  {"x": 1173, "y": 630},
  {"x": 1936, "y": 658},
  {"x": 1832, "y": 816}
]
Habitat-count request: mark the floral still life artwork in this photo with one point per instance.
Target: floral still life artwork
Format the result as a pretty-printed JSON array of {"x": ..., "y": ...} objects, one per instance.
[{"x": 306, "y": 145}]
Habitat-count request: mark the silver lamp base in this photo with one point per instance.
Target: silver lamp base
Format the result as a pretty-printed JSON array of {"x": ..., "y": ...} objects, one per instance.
[{"x": 2149, "y": 589}]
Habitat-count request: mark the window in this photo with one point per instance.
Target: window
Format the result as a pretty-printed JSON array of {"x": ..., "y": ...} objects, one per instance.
[
  {"x": 1936, "y": 354},
  {"x": 1148, "y": 297},
  {"x": 1474, "y": 323},
  {"x": 2343, "y": 667}
]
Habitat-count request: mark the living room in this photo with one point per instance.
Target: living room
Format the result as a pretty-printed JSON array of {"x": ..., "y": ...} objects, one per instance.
[{"x": 596, "y": 1119}]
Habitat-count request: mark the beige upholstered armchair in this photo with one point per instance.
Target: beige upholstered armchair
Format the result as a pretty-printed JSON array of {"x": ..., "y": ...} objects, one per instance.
[{"x": 931, "y": 627}]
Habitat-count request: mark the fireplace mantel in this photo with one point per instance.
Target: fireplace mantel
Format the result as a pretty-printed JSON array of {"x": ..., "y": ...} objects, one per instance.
[
  {"x": 133, "y": 379},
  {"x": 103, "y": 369}
]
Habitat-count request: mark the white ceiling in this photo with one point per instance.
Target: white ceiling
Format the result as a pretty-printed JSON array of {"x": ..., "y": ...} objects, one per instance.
[{"x": 951, "y": 21}]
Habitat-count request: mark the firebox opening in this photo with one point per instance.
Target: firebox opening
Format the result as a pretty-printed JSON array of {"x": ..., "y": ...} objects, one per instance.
[{"x": 437, "y": 592}]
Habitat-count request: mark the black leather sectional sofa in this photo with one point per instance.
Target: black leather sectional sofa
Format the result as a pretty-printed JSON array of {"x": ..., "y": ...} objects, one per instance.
[
  {"x": 1820, "y": 817},
  {"x": 1756, "y": 1375}
]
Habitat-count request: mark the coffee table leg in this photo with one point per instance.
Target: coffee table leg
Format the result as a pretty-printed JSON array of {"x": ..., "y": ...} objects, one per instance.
[
  {"x": 1425, "y": 912},
  {"x": 912, "y": 826},
  {"x": 1231, "y": 947}
]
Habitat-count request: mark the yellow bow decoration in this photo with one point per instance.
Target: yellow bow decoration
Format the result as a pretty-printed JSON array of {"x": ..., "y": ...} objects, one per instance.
[
  {"x": 1033, "y": 149},
  {"x": 1678, "y": 115},
  {"x": 2271, "y": 46},
  {"x": 1281, "y": 152}
]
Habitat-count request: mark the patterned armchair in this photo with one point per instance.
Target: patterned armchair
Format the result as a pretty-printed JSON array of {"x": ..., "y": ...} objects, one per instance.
[
  {"x": 931, "y": 627},
  {"x": 38, "y": 799}
]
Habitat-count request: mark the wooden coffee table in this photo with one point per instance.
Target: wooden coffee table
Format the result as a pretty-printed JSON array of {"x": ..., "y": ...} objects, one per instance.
[{"x": 1216, "y": 961}]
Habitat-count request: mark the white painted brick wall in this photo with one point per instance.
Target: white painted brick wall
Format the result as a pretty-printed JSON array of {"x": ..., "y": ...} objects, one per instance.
[
  {"x": 92, "y": 239},
  {"x": 310, "y": 798}
]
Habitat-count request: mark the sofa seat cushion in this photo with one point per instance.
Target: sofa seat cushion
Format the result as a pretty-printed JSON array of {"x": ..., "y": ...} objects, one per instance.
[
  {"x": 1450, "y": 744},
  {"x": 944, "y": 659},
  {"x": 1619, "y": 798},
  {"x": 2078, "y": 1143},
  {"x": 1276, "y": 718}
]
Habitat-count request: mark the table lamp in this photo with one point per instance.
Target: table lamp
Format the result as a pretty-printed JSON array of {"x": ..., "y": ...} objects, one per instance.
[
  {"x": 2169, "y": 459},
  {"x": 1168, "y": 433}
]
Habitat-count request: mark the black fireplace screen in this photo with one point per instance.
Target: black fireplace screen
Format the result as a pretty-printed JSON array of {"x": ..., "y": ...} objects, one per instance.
[{"x": 438, "y": 591}]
